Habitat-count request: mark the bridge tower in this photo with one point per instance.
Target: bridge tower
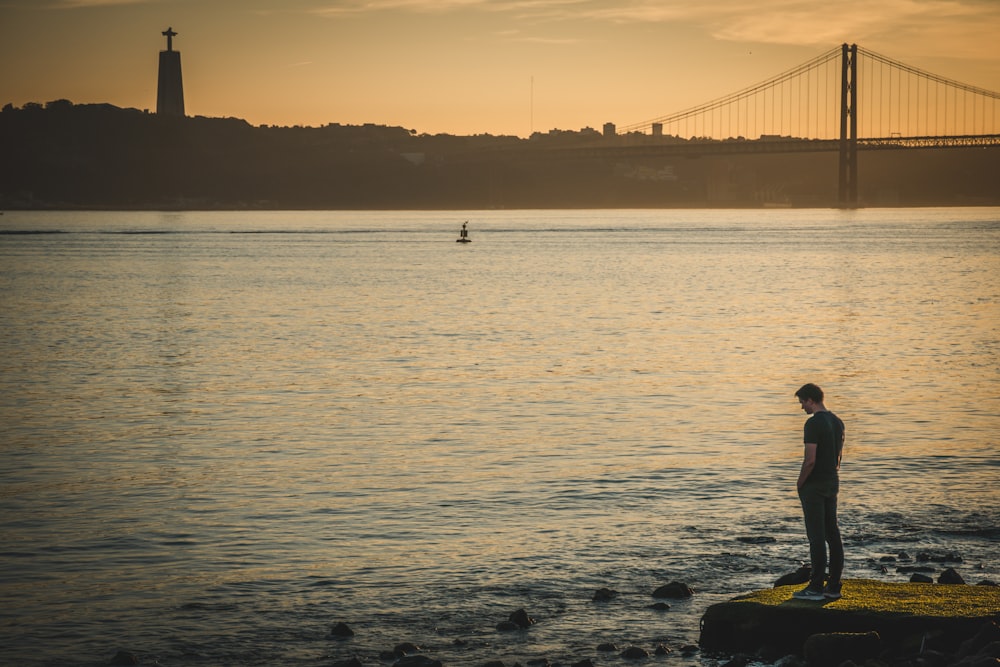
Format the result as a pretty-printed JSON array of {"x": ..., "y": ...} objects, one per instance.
[
  {"x": 848, "y": 194},
  {"x": 170, "y": 88}
]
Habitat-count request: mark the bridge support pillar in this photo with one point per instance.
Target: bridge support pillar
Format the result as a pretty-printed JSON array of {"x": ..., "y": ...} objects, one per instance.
[{"x": 848, "y": 191}]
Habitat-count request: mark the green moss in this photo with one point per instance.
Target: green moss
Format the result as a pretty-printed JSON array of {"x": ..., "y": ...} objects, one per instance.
[{"x": 867, "y": 596}]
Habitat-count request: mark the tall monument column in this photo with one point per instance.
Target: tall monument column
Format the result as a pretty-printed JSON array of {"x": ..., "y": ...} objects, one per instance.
[{"x": 170, "y": 88}]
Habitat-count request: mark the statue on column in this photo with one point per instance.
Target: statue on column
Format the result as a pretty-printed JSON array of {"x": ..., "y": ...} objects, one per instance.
[{"x": 169, "y": 34}]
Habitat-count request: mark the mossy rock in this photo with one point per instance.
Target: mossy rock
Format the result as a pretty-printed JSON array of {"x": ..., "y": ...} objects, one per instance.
[{"x": 771, "y": 622}]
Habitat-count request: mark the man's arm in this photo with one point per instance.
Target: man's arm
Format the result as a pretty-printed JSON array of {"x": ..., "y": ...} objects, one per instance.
[
  {"x": 840, "y": 449},
  {"x": 808, "y": 463}
]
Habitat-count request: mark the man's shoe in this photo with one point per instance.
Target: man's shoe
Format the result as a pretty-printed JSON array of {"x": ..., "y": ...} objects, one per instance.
[
  {"x": 832, "y": 592},
  {"x": 808, "y": 594}
]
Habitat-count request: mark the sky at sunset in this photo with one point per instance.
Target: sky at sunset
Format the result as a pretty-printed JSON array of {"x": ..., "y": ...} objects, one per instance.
[{"x": 465, "y": 66}]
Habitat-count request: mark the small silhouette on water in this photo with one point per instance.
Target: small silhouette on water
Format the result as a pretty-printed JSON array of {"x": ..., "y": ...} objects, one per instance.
[{"x": 463, "y": 236}]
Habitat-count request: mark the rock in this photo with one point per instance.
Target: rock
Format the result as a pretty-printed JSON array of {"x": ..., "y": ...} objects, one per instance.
[
  {"x": 917, "y": 578},
  {"x": 406, "y": 648},
  {"x": 930, "y": 658},
  {"x": 950, "y": 576},
  {"x": 757, "y": 539},
  {"x": 986, "y": 582},
  {"x": 660, "y": 606},
  {"x": 353, "y": 662},
  {"x": 924, "y": 557},
  {"x": 507, "y": 626},
  {"x": 341, "y": 630},
  {"x": 538, "y": 662},
  {"x": 663, "y": 649},
  {"x": 800, "y": 576},
  {"x": 737, "y": 661},
  {"x": 607, "y": 647},
  {"x": 771, "y": 619},
  {"x": 788, "y": 661},
  {"x": 991, "y": 650},
  {"x": 494, "y": 663},
  {"x": 832, "y": 649},
  {"x": 521, "y": 618},
  {"x": 635, "y": 653},
  {"x": 604, "y": 594},
  {"x": 416, "y": 661},
  {"x": 978, "y": 661},
  {"x": 586, "y": 662},
  {"x": 988, "y": 634},
  {"x": 124, "y": 658},
  {"x": 674, "y": 589}
]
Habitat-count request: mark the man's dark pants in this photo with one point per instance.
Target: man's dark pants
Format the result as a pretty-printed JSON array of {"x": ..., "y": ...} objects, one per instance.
[{"x": 819, "y": 507}]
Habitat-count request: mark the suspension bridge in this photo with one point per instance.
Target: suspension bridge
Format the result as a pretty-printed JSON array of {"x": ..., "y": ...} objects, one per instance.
[{"x": 848, "y": 99}]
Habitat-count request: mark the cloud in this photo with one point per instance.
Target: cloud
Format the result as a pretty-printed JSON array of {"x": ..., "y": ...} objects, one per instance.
[
  {"x": 346, "y": 7},
  {"x": 785, "y": 22},
  {"x": 85, "y": 4},
  {"x": 795, "y": 22},
  {"x": 529, "y": 7}
]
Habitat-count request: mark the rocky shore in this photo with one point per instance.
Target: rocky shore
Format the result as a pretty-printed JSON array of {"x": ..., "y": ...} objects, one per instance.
[{"x": 874, "y": 624}]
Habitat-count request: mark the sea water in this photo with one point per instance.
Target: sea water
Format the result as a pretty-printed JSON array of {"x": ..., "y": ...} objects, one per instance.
[{"x": 223, "y": 433}]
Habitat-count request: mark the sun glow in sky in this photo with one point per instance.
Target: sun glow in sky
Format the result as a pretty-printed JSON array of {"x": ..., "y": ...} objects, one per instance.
[{"x": 465, "y": 66}]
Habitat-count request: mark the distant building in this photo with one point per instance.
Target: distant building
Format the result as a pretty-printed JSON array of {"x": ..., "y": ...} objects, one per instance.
[
  {"x": 657, "y": 129},
  {"x": 170, "y": 87},
  {"x": 610, "y": 130}
]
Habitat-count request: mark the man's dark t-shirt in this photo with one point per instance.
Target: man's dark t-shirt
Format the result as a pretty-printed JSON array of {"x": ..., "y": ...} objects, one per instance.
[{"x": 827, "y": 431}]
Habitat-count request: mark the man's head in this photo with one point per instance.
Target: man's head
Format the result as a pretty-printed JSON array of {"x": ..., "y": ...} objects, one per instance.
[{"x": 810, "y": 398}]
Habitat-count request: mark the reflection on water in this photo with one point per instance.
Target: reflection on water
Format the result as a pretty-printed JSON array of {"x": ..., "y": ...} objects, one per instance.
[{"x": 215, "y": 443}]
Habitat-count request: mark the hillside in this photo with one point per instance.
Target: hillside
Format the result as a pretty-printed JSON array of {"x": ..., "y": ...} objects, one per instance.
[{"x": 63, "y": 155}]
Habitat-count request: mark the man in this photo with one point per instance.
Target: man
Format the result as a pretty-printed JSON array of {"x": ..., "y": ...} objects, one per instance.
[{"x": 819, "y": 483}]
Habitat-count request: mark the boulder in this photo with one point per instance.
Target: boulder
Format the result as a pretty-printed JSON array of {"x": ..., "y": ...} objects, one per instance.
[
  {"x": 124, "y": 658},
  {"x": 604, "y": 594},
  {"x": 832, "y": 649},
  {"x": 738, "y": 661},
  {"x": 341, "y": 630},
  {"x": 950, "y": 576},
  {"x": 771, "y": 620},
  {"x": 417, "y": 661},
  {"x": 635, "y": 653},
  {"x": 521, "y": 618},
  {"x": 674, "y": 589},
  {"x": 988, "y": 634},
  {"x": 405, "y": 648},
  {"x": 350, "y": 662}
]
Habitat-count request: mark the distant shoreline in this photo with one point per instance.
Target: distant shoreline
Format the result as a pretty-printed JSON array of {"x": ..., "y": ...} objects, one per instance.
[{"x": 62, "y": 156}]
